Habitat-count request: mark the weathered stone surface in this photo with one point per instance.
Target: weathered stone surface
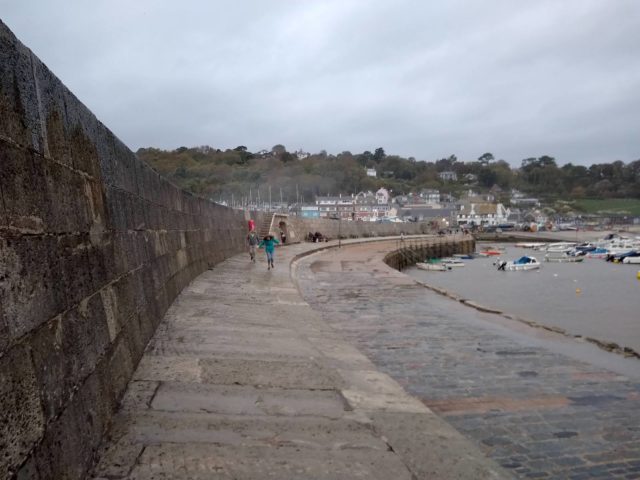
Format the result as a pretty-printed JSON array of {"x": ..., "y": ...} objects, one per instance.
[
  {"x": 94, "y": 248},
  {"x": 532, "y": 405},
  {"x": 207, "y": 462},
  {"x": 424, "y": 442},
  {"x": 237, "y": 400},
  {"x": 307, "y": 406},
  {"x": 21, "y": 418}
]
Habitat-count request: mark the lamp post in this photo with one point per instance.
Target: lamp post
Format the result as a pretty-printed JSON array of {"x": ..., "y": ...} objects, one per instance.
[{"x": 339, "y": 231}]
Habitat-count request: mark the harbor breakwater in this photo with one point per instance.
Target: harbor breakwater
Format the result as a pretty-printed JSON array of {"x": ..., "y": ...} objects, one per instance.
[
  {"x": 409, "y": 252},
  {"x": 94, "y": 248}
]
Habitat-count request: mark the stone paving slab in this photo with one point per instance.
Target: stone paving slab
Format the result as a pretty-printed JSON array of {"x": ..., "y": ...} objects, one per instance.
[
  {"x": 246, "y": 400},
  {"x": 243, "y": 380},
  {"x": 204, "y": 462},
  {"x": 531, "y": 401}
]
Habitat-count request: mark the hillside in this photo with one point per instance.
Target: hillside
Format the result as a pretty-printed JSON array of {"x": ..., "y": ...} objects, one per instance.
[{"x": 238, "y": 174}]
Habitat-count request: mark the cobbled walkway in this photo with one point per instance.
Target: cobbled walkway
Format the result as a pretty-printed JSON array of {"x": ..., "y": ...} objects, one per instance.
[
  {"x": 244, "y": 381},
  {"x": 536, "y": 410}
]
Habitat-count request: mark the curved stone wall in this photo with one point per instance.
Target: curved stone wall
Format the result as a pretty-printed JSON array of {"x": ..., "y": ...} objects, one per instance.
[
  {"x": 94, "y": 247},
  {"x": 411, "y": 252}
]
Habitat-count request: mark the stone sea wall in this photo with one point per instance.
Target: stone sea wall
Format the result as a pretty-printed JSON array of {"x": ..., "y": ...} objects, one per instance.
[
  {"x": 349, "y": 229},
  {"x": 411, "y": 252},
  {"x": 94, "y": 247}
]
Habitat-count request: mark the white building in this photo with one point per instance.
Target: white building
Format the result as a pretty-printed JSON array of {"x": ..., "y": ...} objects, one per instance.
[
  {"x": 430, "y": 196},
  {"x": 448, "y": 176},
  {"x": 382, "y": 196},
  {"x": 301, "y": 154},
  {"x": 371, "y": 172},
  {"x": 482, "y": 214}
]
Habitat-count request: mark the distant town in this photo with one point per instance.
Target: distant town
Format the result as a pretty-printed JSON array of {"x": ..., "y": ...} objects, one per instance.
[{"x": 485, "y": 193}]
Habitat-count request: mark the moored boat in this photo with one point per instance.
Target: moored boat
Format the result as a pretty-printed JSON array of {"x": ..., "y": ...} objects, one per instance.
[
  {"x": 530, "y": 244},
  {"x": 452, "y": 262},
  {"x": 563, "y": 257},
  {"x": 433, "y": 267},
  {"x": 632, "y": 258},
  {"x": 521, "y": 264},
  {"x": 560, "y": 247}
]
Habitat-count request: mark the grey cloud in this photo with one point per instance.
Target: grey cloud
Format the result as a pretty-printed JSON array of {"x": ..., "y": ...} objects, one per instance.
[{"x": 423, "y": 79}]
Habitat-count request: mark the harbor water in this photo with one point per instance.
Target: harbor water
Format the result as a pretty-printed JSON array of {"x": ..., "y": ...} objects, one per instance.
[{"x": 592, "y": 298}]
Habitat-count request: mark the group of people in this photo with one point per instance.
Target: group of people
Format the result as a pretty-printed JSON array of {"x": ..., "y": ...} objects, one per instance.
[
  {"x": 268, "y": 242},
  {"x": 316, "y": 237}
]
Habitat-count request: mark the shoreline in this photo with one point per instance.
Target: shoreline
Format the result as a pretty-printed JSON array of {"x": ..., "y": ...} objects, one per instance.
[{"x": 609, "y": 346}]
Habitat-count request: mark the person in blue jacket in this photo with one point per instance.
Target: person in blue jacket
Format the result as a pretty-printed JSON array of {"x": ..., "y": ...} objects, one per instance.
[{"x": 269, "y": 244}]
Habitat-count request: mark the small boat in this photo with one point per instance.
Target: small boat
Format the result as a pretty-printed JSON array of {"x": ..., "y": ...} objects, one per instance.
[
  {"x": 598, "y": 253},
  {"x": 530, "y": 244},
  {"x": 560, "y": 247},
  {"x": 491, "y": 253},
  {"x": 563, "y": 257},
  {"x": 633, "y": 258},
  {"x": 433, "y": 267},
  {"x": 464, "y": 256},
  {"x": 452, "y": 262},
  {"x": 625, "y": 257},
  {"x": 523, "y": 263}
]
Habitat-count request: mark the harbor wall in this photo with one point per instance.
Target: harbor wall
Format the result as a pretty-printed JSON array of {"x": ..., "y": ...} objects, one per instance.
[
  {"x": 94, "y": 247},
  {"x": 410, "y": 252},
  {"x": 334, "y": 229}
]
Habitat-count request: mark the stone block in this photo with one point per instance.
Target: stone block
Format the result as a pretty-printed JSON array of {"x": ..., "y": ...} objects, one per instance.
[
  {"x": 104, "y": 260},
  {"x": 121, "y": 367},
  {"x": 28, "y": 290},
  {"x": 126, "y": 171},
  {"x": 18, "y": 96},
  {"x": 67, "y": 195},
  {"x": 69, "y": 443},
  {"x": 66, "y": 351},
  {"x": 69, "y": 263},
  {"x": 53, "y": 112},
  {"x": 87, "y": 138},
  {"x": 23, "y": 184},
  {"x": 21, "y": 418}
]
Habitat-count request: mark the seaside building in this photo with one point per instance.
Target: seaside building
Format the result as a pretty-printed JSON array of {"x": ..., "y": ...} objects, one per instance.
[{"x": 482, "y": 214}]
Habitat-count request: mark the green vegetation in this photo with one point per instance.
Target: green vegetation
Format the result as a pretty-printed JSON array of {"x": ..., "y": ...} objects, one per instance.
[
  {"x": 239, "y": 173},
  {"x": 617, "y": 206}
]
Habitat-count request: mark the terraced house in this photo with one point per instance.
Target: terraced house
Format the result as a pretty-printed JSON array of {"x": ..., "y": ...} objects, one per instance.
[{"x": 482, "y": 214}]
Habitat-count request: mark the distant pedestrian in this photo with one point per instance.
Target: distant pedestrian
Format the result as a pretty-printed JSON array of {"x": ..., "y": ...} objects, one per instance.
[
  {"x": 252, "y": 242},
  {"x": 269, "y": 244}
]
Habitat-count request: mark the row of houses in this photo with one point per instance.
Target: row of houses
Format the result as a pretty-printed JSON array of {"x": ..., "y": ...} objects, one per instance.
[{"x": 427, "y": 205}]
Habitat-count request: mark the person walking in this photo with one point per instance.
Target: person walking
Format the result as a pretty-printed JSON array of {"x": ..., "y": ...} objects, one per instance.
[
  {"x": 269, "y": 244},
  {"x": 252, "y": 241}
]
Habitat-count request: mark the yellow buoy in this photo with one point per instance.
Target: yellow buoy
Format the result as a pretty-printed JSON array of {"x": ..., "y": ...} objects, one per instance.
[
  {"x": 638, "y": 275},
  {"x": 578, "y": 291}
]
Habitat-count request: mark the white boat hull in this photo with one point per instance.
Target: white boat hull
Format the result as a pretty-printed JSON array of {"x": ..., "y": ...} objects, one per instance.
[
  {"x": 531, "y": 263},
  {"x": 516, "y": 268},
  {"x": 432, "y": 267},
  {"x": 563, "y": 259}
]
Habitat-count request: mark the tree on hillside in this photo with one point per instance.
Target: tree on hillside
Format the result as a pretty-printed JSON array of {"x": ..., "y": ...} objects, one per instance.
[
  {"x": 379, "y": 154},
  {"x": 486, "y": 158},
  {"x": 278, "y": 149}
]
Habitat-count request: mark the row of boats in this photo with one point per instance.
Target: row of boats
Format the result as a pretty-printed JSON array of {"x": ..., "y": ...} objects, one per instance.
[{"x": 613, "y": 248}]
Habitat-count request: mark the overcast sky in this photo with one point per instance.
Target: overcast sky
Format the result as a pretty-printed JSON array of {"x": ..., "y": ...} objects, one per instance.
[{"x": 418, "y": 78}]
